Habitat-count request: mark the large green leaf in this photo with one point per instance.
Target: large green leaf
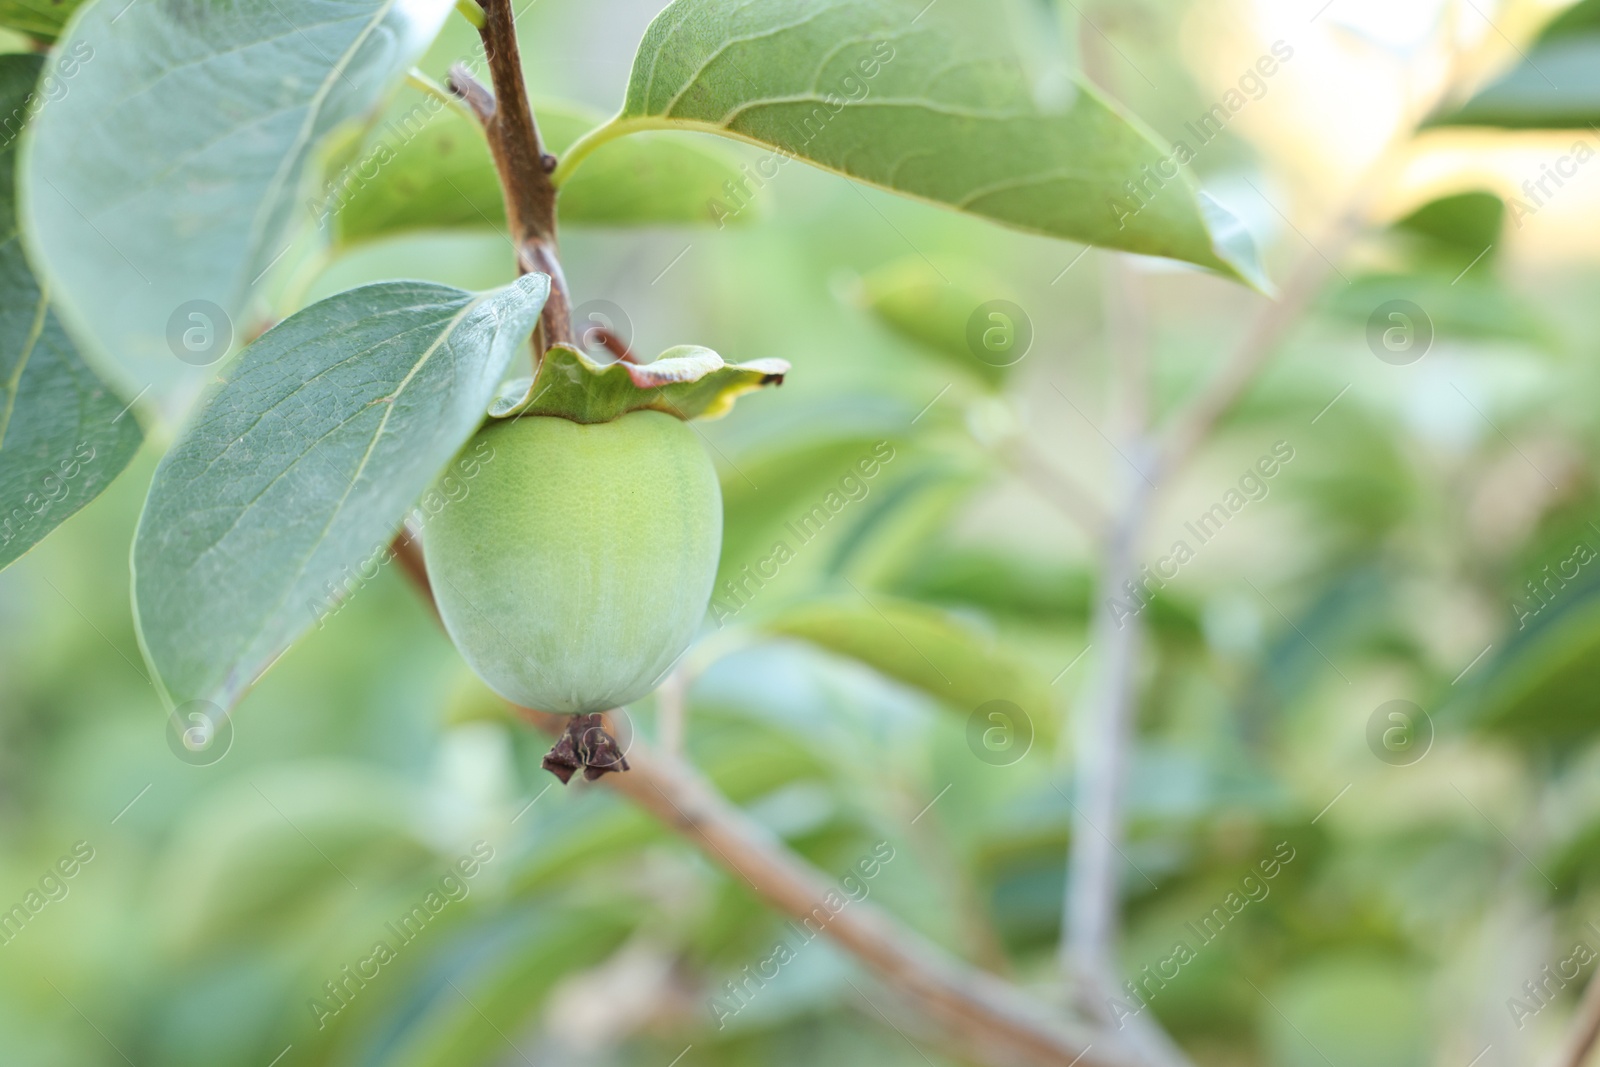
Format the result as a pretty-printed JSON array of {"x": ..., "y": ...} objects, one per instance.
[
  {"x": 173, "y": 169},
  {"x": 927, "y": 101},
  {"x": 433, "y": 170},
  {"x": 1555, "y": 85},
  {"x": 63, "y": 435},
  {"x": 299, "y": 468}
]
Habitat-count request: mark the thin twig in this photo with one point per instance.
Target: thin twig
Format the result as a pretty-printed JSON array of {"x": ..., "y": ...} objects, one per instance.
[
  {"x": 612, "y": 342},
  {"x": 473, "y": 93},
  {"x": 1191, "y": 426},
  {"x": 1196, "y": 422},
  {"x": 979, "y": 1008},
  {"x": 1090, "y": 908}
]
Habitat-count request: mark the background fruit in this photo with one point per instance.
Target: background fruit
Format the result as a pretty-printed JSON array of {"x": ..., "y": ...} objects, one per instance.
[{"x": 578, "y": 564}]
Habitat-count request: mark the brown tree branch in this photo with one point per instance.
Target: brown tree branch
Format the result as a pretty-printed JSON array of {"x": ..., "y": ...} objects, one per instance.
[
  {"x": 407, "y": 551},
  {"x": 521, "y": 161},
  {"x": 976, "y": 1008}
]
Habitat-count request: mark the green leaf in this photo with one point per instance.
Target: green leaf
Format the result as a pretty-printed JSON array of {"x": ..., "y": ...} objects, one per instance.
[
  {"x": 923, "y": 647},
  {"x": 300, "y": 467},
  {"x": 37, "y": 18},
  {"x": 1476, "y": 309},
  {"x": 1347, "y": 1008},
  {"x": 653, "y": 179},
  {"x": 174, "y": 168},
  {"x": 1466, "y": 223},
  {"x": 63, "y": 435},
  {"x": 460, "y": 1014},
  {"x": 687, "y": 381},
  {"x": 1000, "y": 583},
  {"x": 933, "y": 306},
  {"x": 1539, "y": 689},
  {"x": 924, "y": 101},
  {"x": 237, "y": 868},
  {"x": 432, "y": 169},
  {"x": 1554, "y": 86}
]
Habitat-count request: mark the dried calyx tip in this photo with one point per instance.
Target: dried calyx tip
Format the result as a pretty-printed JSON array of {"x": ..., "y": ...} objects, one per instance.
[{"x": 585, "y": 745}]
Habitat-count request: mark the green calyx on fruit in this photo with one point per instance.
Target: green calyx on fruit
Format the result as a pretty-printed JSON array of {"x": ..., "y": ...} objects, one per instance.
[
  {"x": 688, "y": 382},
  {"x": 578, "y": 564}
]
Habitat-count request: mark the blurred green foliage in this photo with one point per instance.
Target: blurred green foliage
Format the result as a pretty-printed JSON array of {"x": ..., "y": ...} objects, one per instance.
[{"x": 1391, "y": 560}]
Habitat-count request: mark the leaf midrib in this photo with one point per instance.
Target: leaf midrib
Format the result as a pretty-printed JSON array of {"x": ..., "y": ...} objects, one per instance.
[
  {"x": 268, "y": 617},
  {"x": 15, "y": 384},
  {"x": 293, "y": 393}
]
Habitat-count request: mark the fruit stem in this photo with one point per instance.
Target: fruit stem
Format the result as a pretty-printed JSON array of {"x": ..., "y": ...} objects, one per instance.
[{"x": 522, "y": 163}]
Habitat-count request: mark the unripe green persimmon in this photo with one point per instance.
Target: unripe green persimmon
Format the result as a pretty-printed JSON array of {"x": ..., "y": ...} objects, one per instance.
[{"x": 579, "y": 563}]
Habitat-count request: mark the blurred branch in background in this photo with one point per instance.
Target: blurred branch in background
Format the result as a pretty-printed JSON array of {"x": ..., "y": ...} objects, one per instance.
[
  {"x": 1105, "y": 720},
  {"x": 1105, "y": 725},
  {"x": 1584, "y": 1028},
  {"x": 1060, "y": 490},
  {"x": 1090, "y": 916},
  {"x": 671, "y": 708},
  {"x": 1191, "y": 426}
]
